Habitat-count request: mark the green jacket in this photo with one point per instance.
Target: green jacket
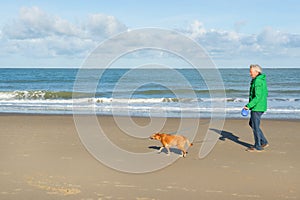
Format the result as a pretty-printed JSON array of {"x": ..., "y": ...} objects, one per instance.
[{"x": 258, "y": 94}]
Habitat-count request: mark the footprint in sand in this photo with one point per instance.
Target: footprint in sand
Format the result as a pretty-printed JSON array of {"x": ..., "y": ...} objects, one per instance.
[{"x": 52, "y": 185}]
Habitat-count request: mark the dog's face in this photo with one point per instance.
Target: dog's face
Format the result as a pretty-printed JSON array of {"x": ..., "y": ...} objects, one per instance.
[{"x": 155, "y": 136}]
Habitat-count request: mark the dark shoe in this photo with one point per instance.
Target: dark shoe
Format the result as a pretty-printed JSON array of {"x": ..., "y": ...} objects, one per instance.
[
  {"x": 252, "y": 149},
  {"x": 265, "y": 145}
]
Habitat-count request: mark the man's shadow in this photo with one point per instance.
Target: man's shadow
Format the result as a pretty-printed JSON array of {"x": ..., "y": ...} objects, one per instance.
[{"x": 227, "y": 135}]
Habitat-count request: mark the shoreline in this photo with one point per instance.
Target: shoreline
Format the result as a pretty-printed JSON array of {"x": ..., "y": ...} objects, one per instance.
[
  {"x": 42, "y": 156},
  {"x": 108, "y": 115}
]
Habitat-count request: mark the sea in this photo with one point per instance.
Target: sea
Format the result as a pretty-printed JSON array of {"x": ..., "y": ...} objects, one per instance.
[{"x": 144, "y": 92}]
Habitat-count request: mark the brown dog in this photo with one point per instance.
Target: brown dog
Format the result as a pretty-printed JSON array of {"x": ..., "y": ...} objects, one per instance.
[{"x": 168, "y": 140}]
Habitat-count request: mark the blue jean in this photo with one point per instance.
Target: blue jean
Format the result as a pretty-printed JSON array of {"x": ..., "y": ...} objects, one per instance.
[{"x": 254, "y": 123}]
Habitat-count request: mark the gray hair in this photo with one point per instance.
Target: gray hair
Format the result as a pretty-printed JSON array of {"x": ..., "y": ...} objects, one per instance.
[{"x": 256, "y": 67}]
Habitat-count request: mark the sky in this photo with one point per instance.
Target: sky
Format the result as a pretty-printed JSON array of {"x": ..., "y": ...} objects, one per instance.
[{"x": 234, "y": 33}]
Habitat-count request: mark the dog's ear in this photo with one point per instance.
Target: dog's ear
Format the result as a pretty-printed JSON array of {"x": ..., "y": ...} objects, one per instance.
[
  {"x": 153, "y": 136},
  {"x": 158, "y": 136}
]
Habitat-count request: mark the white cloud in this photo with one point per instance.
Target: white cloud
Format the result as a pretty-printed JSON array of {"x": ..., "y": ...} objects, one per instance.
[
  {"x": 35, "y": 23},
  {"x": 37, "y": 33},
  {"x": 269, "y": 36},
  {"x": 196, "y": 29},
  {"x": 100, "y": 25},
  {"x": 294, "y": 41},
  {"x": 223, "y": 44},
  {"x": 273, "y": 38}
]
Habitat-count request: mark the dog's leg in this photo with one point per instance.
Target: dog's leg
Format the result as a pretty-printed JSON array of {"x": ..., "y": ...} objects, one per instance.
[
  {"x": 183, "y": 152},
  {"x": 160, "y": 149},
  {"x": 169, "y": 153}
]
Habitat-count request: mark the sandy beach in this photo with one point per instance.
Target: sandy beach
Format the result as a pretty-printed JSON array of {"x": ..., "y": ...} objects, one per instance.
[{"x": 42, "y": 157}]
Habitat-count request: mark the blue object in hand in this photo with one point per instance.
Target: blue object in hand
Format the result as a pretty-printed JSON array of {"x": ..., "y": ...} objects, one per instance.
[{"x": 244, "y": 112}]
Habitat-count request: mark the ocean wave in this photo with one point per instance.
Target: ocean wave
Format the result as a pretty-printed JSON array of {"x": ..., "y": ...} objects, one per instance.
[
  {"x": 188, "y": 91},
  {"x": 284, "y": 99},
  {"x": 143, "y": 100},
  {"x": 166, "y": 100},
  {"x": 101, "y": 97},
  {"x": 41, "y": 95},
  {"x": 286, "y": 91},
  {"x": 138, "y": 107}
]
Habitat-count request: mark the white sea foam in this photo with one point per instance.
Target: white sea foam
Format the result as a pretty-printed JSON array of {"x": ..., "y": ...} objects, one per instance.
[{"x": 136, "y": 107}]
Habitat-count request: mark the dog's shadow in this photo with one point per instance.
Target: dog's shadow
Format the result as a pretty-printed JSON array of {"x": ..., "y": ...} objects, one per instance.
[
  {"x": 230, "y": 136},
  {"x": 164, "y": 150}
]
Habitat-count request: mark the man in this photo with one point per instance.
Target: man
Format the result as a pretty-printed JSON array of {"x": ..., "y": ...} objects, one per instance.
[{"x": 258, "y": 105}]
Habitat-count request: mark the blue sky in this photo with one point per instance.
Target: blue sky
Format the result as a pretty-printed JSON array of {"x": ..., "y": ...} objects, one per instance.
[{"x": 36, "y": 33}]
